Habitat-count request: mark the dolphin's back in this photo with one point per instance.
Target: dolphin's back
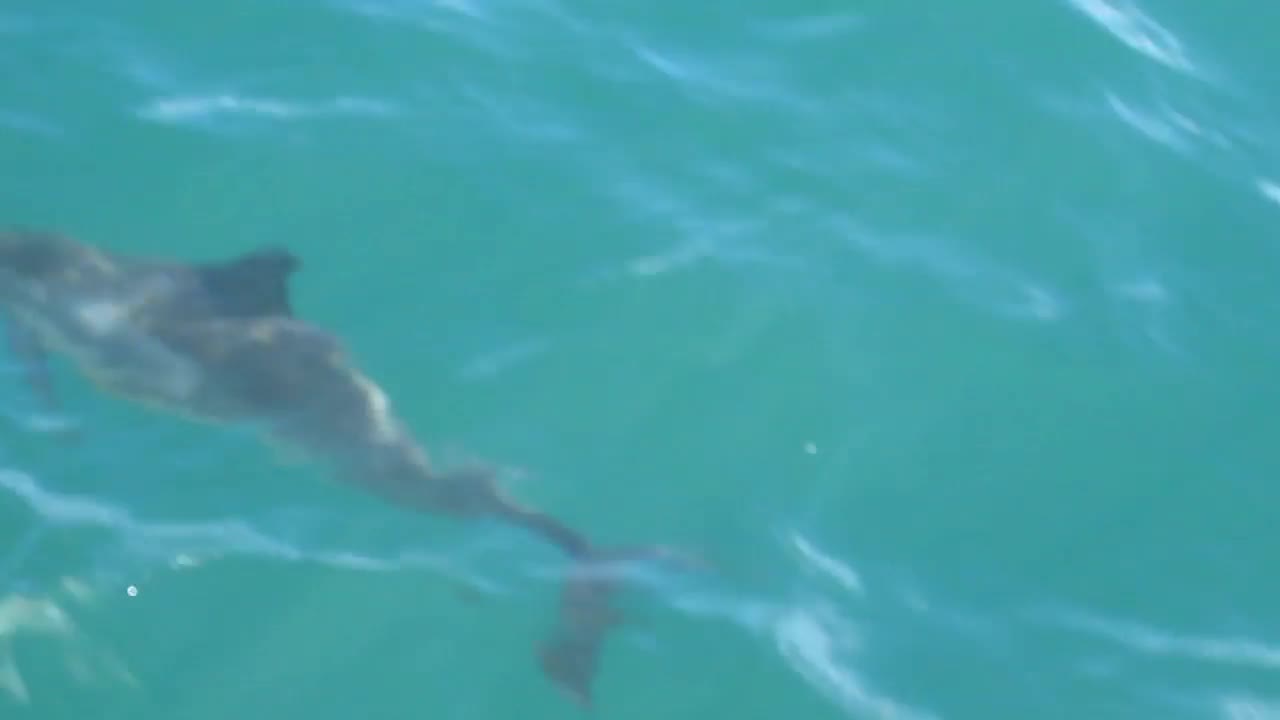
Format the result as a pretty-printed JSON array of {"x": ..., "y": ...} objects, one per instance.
[
  {"x": 62, "y": 269},
  {"x": 290, "y": 375},
  {"x": 111, "y": 312}
]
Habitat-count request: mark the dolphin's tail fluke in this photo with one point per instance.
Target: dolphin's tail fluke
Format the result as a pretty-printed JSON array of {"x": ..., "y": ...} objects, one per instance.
[{"x": 570, "y": 656}]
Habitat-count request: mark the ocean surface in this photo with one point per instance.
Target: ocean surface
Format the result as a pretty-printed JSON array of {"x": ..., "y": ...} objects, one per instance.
[{"x": 943, "y": 332}]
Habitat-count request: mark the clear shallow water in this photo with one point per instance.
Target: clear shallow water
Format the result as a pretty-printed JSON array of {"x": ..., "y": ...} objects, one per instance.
[{"x": 944, "y": 333}]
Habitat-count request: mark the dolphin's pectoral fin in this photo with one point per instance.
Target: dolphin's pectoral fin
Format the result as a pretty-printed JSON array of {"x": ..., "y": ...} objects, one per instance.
[
  {"x": 34, "y": 365},
  {"x": 33, "y": 361},
  {"x": 252, "y": 285}
]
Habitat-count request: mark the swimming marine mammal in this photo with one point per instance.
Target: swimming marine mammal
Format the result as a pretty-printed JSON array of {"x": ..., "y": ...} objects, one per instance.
[
  {"x": 220, "y": 342},
  {"x": 105, "y": 312}
]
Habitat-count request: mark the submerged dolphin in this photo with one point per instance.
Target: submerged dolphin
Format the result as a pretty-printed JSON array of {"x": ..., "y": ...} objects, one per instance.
[{"x": 220, "y": 342}]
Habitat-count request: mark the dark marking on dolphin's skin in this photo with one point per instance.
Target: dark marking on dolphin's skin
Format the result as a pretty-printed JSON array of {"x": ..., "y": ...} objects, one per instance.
[{"x": 220, "y": 341}]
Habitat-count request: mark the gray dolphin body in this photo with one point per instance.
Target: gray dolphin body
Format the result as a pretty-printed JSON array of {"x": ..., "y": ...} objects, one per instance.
[{"x": 220, "y": 342}]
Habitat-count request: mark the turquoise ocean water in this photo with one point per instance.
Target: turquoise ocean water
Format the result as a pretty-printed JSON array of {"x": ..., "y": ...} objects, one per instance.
[{"x": 944, "y": 331}]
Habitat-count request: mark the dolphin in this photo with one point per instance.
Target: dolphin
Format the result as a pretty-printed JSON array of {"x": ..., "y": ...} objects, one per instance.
[{"x": 219, "y": 342}]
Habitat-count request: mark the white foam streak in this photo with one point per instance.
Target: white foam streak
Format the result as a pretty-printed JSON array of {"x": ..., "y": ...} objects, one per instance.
[
  {"x": 175, "y": 541},
  {"x": 1149, "y": 125},
  {"x": 44, "y": 616},
  {"x": 198, "y": 107},
  {"x": 813, "y": 638},
  {"x": 1137, "y": 30},
  {"x": 1270, "y": 190},
  {"x": 817, "y": 641},
  {"x": 846, "y": 576},
  {"x": 1154, "y": 641},
  {"x": 811, "y": 645},
  {"x": 1239, "y": 707}
]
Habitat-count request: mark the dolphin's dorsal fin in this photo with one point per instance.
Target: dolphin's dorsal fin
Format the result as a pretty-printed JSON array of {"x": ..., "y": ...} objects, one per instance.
[{"x": 252, "y": 285}]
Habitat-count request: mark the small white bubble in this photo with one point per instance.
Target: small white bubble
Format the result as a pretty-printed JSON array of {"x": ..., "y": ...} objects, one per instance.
[
  {"x": 133, "y": 591},
  {"x": 811, "y": 448}
]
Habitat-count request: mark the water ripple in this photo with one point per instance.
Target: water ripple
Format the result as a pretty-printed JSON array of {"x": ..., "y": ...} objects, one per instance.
[
  {"x": 739, "y": 79},
  {"x": 1154, "y": 641},
  {"x": 1137, "y": 30},
  {"x": 1270, "y": 190},
  {"x": 832, "y": 567},
  {"x": 810, "y": 28},
  {"x": 811, "y": 637},
  {"x": 198, "y": 108},
  {"x": 27, "y": 123},
  {"x": 176, "y": 543},
  {"x": 1246, "y": 707},
  {"x": 48, "y": 616},
  {"x": 812, "y": 643}
]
